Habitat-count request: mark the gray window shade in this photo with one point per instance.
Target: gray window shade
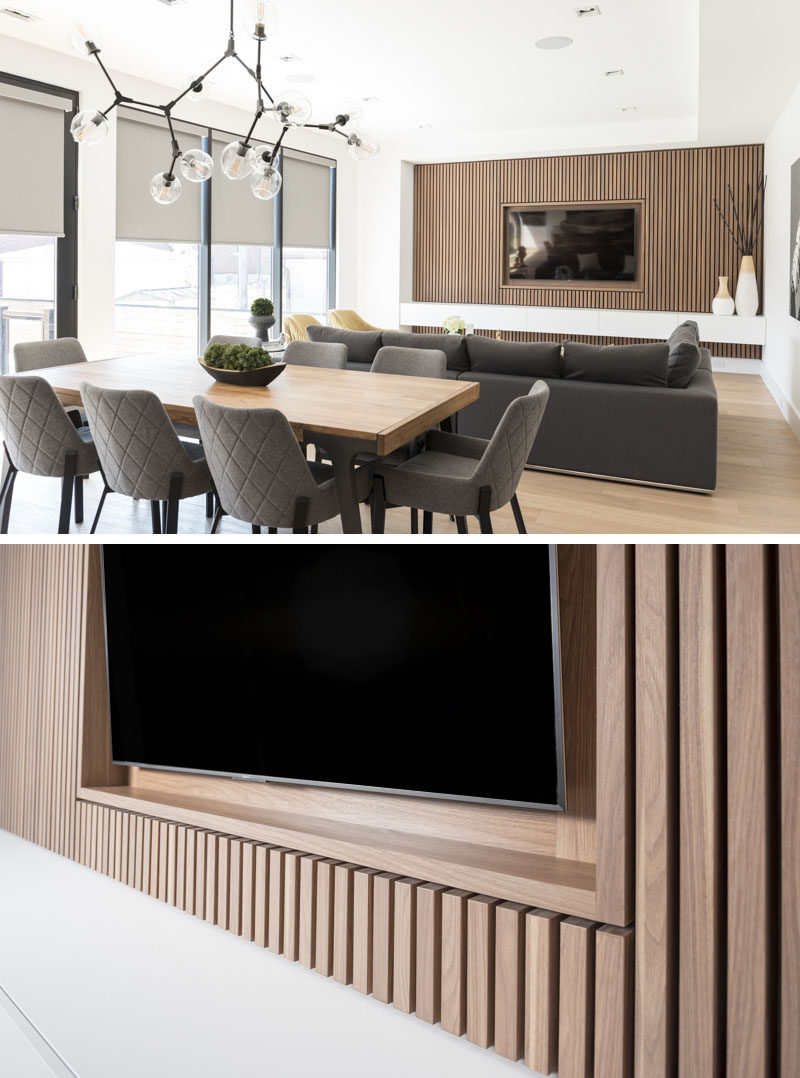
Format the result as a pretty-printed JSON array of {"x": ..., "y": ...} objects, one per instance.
[
  {"x": 31, "y": 195},
  {"x": 237, "y": 216},
  {"x": 143, "y": 149},
  {"x": 306, "y": 203}
]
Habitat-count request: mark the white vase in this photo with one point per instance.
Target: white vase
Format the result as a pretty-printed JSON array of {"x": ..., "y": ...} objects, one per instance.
[
  {"x": 747, "y": 289},
  {"x": 723, "y": 301}
]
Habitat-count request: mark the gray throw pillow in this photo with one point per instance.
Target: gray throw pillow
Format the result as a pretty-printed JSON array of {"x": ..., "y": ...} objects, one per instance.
[
  {"x": 361, "y": 347},
  {"x": 628, "y": 364},
  {"x": 684, "y": 355},
  {"x": 534, "y": 360},
  {"x": 453, "y": 346}
]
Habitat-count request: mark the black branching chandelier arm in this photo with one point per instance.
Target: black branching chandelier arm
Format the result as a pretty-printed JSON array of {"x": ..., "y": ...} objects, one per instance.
[{"x": 239, "y": 159}]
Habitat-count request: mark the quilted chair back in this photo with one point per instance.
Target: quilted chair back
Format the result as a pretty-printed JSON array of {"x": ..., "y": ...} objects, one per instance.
[
  {"x": 38, "y": 432},
  {"x": 511, "y": 444},
  {"x": 413, "y": 362},
  {"x": 316, "y": 354},
  {"x": 136, "y": 443},
  {"x": 36, "y": 355},
  {"x": 256, "y": 463}
]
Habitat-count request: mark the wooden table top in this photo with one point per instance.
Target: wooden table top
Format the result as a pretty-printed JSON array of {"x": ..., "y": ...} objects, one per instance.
[{"x": 385, "y": 409}]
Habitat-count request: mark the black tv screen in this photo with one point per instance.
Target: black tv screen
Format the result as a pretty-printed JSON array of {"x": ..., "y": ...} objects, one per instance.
[
  {"x": 563, "y": 243},
  {"x": 432, "y": 672}
]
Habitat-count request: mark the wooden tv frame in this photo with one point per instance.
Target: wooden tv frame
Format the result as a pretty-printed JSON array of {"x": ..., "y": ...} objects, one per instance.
[{"x": 579, "y": 863}]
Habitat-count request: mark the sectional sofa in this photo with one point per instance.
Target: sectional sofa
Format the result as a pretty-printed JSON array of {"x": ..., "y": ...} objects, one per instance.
[{"x": 639, "y": 413}]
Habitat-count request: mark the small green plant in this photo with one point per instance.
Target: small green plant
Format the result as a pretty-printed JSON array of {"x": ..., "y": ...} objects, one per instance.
[
  {"x": 262, "y": 308},
  {"x": 236, "y": 357}
]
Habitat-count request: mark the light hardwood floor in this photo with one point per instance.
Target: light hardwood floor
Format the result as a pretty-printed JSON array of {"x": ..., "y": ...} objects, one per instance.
[{"x": 758, "y": 491}]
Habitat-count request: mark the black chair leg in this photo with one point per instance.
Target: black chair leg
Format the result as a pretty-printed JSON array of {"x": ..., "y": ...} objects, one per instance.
[
  {"x": 427, "y": 523},
  {"x": 67, "y": 486},
  {"x": 300, "y": 523},
  {"x": 79, "y": 498},
  {"x": 461, "y": 524},
  {"x": 378, "y": 505},
  {"x": 415, "y": 521},
  {"x": 217, "y": 519},
  {"x": 315, "y": 530},
  {"x": 272, "y": 531},
  {"x": 256, "y": 530},
  {"x": 6, "y": 494},
  {"x": 209, "y": 505},
  {"x": 518, "y": 517},
  {"x": 96, "y": 521},
  {"x": 173, "y": 503},
  {"x": 155, "y": 512},
  {"x": 484, "y": 511}
]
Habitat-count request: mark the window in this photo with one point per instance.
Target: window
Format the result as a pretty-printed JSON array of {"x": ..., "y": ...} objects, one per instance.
[
  {"x": 308, "y": 197},
  {"x": 238, "y": 276},
  {"x": 27, "y": 292},
  {"x": 305, "y": 282},
  {"x": 156, "y": 302}
]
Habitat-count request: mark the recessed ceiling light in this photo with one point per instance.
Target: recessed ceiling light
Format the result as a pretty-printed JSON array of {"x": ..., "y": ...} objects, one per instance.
[
  {"x": 617, "y": 73},
  {"x": 369, "y": 100},
  {"x": 554, "y": 43},
  {"x": 15, "y": 13},
  {"x": 301, "y": 78},
  {"x": 172, "y": 3},
  {"x": 587, "y": 12},
  {"x": 290, "y": 59},
  {"x": 629, "y": 108},
  {"x": 426, "y": 127}
]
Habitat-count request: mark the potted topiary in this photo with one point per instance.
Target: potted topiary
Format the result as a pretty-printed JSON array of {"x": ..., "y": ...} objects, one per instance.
[
  {"x": 262, "y": 317},
  {"x": 240, "y": 365}
]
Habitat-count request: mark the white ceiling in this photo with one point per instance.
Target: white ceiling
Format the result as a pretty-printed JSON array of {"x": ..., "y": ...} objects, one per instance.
[{"x": 470, "y": 67}]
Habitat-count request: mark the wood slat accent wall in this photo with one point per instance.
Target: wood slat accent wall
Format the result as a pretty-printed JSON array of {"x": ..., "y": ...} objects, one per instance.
[
  {"x": 458, "y": 230},
  {"x": 705, "y": 981}
]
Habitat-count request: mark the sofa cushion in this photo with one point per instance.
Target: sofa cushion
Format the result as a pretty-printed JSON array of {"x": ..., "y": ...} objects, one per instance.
[
  {"x": 628, "y": 364},
  {"x": 361, "y": 347},
  {"x": 684, "y": 354},
  {"x": 453, "y": 346},
  {"x": 508, "y": 357}
]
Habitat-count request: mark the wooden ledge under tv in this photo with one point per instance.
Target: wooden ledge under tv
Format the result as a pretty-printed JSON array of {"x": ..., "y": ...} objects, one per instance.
[{"x": 578, "y": 863}]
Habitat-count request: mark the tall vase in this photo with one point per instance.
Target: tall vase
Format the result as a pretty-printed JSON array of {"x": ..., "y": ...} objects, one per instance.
[
  {"x": 723, "y": 301},
  {"x": 747, "y": 289}
]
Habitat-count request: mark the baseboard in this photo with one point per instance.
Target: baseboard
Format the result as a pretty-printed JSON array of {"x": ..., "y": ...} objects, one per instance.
[
  {"x": 788, "y": 410},
  {"x": 728, "y": 365}
]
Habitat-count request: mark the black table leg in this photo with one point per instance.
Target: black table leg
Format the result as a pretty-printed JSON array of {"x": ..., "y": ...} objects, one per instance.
[{"x": 342, "y": 453}]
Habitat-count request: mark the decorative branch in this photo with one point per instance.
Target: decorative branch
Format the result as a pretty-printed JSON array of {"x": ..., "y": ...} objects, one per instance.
[{"x": 745, "y": 229}]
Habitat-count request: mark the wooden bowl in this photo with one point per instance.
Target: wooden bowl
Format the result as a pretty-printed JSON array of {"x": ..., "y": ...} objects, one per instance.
[{"x": 263, "y": 376}]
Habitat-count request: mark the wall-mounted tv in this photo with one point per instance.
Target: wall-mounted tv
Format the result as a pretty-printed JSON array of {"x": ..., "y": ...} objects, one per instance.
[
  {"x": 583, "y": 245},
  {"x": 432, "y": 672}
]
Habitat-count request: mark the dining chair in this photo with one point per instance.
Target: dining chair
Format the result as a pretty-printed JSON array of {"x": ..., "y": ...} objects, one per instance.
[
  {"x": 310, "y": 354},
  {"x": 140, "y": 454},
  {"x": 41, "y": 439},
  {"x": 412, "y": 362},
  {"x": 261, "y": 474},
  {"x": 223, "y": 338},
  {"x": 37, "y": 355},
  {"x": 295, "y": 326},
  {"x": 461, "y": 476},
  {"x": 343, "y": 319}
]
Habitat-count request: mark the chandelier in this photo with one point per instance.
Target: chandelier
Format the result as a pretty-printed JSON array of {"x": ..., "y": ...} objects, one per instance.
[{"x": 241, "y": 159}]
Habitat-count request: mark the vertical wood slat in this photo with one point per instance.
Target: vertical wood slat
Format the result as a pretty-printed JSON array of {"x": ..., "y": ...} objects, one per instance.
[
  {"x": 789, "y": 700},
  {"x": 323, "y": 962},
  {"x": 542, "y": 987},
  {"x": 509, "y": 984},
  {"x": 613, "y": 1016},
  {"x": 655, "y": 972},
  {"x": 429, "y": 952},
  {"x": 454, "y": 962},
  {"x": 480, "y": 969},
  {"x": 576, "y": 999},
  {"x": 277, "y": 865},
  {"x": 749, "y": 1035},
  {"x": 363, "y": 928},
  {"x": 261, "y": 891},
  {"x": 343, "y": 923},
  {"x": 308, "y": 911},
  {"x": 235, "y": 896},
  {"x": 383, "y": 936},
  {"x": 291, "y": 905},
  {"x": 247, "y": 925},
  {"x": 701, "y": 805},
  {"x": 405, "y": 944}
]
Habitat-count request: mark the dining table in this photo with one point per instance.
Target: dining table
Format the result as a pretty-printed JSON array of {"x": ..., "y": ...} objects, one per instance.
[{"x": 347, "y": 413}]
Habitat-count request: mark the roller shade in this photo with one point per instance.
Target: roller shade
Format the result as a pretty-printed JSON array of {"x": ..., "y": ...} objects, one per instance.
[
  {"x": 143, "y": 149},
  {"x": 306, "y": 203},
  {"x": 237, "y": 216},
  {"x": 31, "y": 168}
]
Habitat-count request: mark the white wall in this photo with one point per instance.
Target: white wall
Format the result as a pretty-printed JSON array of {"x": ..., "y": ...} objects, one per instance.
[
  {"x": 97, "y": 179},
  {"x": 782, "y": 355}
]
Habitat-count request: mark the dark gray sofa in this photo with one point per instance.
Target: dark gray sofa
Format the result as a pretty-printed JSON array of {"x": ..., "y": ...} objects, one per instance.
[{"x": 598, "y": 422}]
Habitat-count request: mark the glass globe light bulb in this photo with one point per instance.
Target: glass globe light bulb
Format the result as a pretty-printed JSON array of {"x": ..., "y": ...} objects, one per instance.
[
  {"x": 197, "y": 166},
  {"x": 261, "y": 157},
  {"x": 163, "y": 190},
  {"x": 362, "y": 147},
  {"x": 292, "y": 109},
  {"x": 83, "y": 36},
  {"x": 354, "y": 111},
  {"x": 236, "y": 161},
  {"x": 259, "y": 19},
  {"x": 89, "y": 127},
  {"x": 266, "y": 184}
]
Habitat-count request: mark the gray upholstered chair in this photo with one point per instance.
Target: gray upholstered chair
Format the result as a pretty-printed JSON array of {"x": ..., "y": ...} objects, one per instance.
[
  {"x": 224, "y": 338},
  {"x": 141, "y": 455},
  {"x": 412, "y": 362},
  {"x": 464, "y": 477},
  {"x": 36, "y": 355},
  {"x": 261, "y": 474},
  {"x": 309, "y": 354},
  {"x": 40, "y": 439}
]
